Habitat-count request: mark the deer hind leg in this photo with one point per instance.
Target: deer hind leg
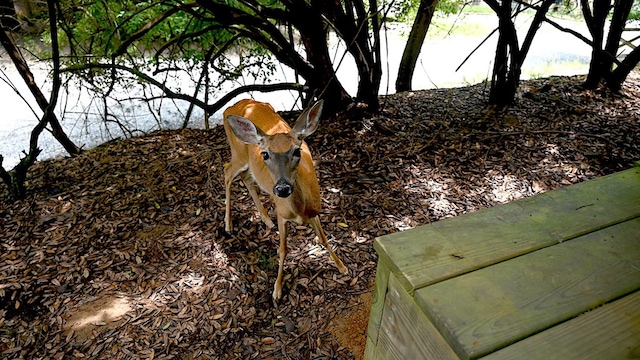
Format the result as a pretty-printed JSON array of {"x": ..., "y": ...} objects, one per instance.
[
  {"x": 230, "y": 173},
  {"x": 315, "y": 224},
  {"x": 282, "y": 252},
  {"x": 251, "y": 186}
]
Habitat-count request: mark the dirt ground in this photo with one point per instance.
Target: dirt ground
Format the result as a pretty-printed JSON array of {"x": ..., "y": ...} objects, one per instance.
[{"x": 120, "y": 253}]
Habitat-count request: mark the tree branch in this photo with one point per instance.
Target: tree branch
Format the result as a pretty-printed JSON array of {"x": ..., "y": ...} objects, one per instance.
[
  {"x": 258, "y": 28},
  {"x": 113, "y": 66},
  {"x": 570, "y": 31},
  {"x": 23, "y": 69},
  {"x": 255, "y": 87},
  {"x": 539, "y": 17},
  {"x": 174, "y": 95},
  {"x": 4, "y": 175}
]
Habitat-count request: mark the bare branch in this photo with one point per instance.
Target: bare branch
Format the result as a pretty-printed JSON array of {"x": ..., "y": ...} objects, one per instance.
[
  {"x": 174, "y": 95},
  {"x": 255, "y": 87},
  {"x": 570, "y": 31},
  {"x": 258, "y": 28},
  {"x": 476, "y": 48},
  {"x": 539, "y": 17},
  {"x": 113, "y": 66}
]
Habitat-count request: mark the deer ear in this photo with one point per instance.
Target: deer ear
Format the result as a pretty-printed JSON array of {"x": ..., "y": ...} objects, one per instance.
[
  {"x": 245, "y": 130},
  {"x": 307, "y": 123}
]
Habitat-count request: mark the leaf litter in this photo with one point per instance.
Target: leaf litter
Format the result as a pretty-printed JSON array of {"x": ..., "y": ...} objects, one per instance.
[{"x": 120, "y": 252}]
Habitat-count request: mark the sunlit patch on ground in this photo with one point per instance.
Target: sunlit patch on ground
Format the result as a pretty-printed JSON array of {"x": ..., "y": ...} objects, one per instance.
[
  {"x": 102, "y": 313},
  {"x": 136, "y": 226}
]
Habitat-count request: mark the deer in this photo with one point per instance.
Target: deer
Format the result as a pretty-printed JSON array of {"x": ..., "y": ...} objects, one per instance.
[{"x": 266, "y": 151}]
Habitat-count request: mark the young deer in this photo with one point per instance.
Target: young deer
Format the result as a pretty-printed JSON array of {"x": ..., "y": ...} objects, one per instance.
[{"x": 266, "y": 151}]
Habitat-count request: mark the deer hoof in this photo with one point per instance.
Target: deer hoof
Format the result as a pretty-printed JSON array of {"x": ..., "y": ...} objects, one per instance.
[
  {"x": 277, "y": 293},
  {"x": 343, "y": 270},
  {"x": 228, "y": 226}
]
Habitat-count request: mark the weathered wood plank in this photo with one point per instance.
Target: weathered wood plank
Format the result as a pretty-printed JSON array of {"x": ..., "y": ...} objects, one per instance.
[
  {"x": 493, "y": 307},
  {"x": 608, "y": 332},
  {"x": 371, "y": 351},
  {"x": 405, "y": 331},
  {"x": 432, "y": 253},
  {"x": 377, "y": 304}
]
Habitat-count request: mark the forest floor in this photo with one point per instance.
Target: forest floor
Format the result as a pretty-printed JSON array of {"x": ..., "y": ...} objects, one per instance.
[{"x": 120, "y": 252}]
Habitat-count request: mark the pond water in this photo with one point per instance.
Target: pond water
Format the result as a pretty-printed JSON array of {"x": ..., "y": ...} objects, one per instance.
[{"x": 82, "y": 115}]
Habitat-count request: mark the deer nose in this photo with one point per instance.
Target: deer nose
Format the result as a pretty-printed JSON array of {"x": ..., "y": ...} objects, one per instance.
[{"x": 282, "y": 188}]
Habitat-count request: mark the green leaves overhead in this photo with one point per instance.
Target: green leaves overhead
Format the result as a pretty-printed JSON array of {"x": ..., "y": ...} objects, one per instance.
[
  {"x": 107, "y": 28},
  {"x": 157, "y": 37}
]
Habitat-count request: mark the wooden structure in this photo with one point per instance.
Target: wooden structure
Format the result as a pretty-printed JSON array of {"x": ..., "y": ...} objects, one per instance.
[{"x": 554, "y": 276}]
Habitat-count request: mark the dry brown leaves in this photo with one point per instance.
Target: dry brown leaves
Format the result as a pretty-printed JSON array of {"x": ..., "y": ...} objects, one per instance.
[{"x": 119, "y": 253}]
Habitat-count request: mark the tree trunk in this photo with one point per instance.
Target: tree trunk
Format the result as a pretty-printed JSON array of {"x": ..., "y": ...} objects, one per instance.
[
  {"x": 509, "y": 55},
  {"x": 615, "y": 78},
  {"x": 414, "y": 44},
  {"x": 370, "y": 69},
  {"x": 621, "y": 11},
  {"x": 8, "y": 14},
  {"x": 41, "y": 100},
  {"x": 16, "y": 177},
  {"x": 506, "y": 69},
  {"x": 499, "y": 74},
  {"x": 595, "y": 22},
  {"x": 540, "y": 16},
  {"x": 619, "y": 75},
  {"x": 321, "y": 80},
  {"x": 352, "y": 22}
]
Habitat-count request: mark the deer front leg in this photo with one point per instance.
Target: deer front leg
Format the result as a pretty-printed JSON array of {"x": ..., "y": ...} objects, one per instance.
[
  {"x": 230, "y": 173},
  {"x": 251, "y": 187},
  {"x": 315, "y": 224},
  {"x": 282, "y": 252}
]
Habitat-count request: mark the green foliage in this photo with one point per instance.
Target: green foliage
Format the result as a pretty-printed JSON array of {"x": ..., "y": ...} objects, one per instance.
[
  {"x": 223, "y": 40},
  {"x": 160, "y": 29},
  {"x": 477, "y": 9},
  {"x": 149, "y": 35},
  {"x": 100, "y": 28},
  {"x": 448, "y": 7},
  {"x": 635, "y": 11},
  {"x": 405, "y": 10}
]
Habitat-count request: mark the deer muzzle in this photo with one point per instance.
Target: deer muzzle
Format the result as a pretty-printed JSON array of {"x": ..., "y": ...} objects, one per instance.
[{"x": 282, "y": 188}]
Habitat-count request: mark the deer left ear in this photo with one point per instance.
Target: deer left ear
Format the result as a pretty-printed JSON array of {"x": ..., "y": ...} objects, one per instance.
[{"x": 307, "y": 123}]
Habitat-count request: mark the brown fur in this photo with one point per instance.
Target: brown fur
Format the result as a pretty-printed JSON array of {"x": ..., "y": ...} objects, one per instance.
[{"x": 304, "y": 203}]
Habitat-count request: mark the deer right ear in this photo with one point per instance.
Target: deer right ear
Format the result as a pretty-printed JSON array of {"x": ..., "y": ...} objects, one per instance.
[{"x": 245, "y": 130}]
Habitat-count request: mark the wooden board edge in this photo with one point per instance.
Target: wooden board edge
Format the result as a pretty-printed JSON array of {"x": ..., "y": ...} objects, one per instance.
[
  {"x": 610, "y": 331},
  {"x": 377, "y": 304}
]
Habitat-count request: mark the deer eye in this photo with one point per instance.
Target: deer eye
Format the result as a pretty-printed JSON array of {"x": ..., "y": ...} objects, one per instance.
[
  {"x": 296, "y": 152},
  {"x": 265, "y": 155}
]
